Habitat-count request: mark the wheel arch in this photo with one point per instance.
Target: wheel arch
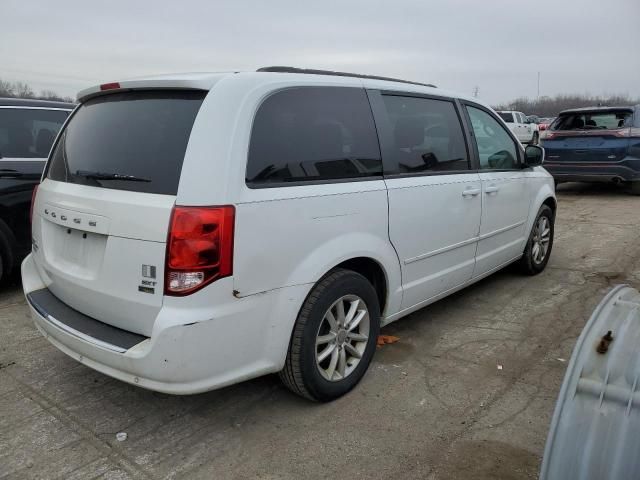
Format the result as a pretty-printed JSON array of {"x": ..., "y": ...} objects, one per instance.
[
  {"x": 545, "y": 195},
  {"x": 370, "y": 255},
  {"x": 552, "y": 203},
  {"x": 374, "y": 272}
]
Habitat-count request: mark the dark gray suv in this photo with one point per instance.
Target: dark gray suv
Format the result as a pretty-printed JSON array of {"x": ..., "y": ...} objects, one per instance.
[
  {"x": 27, "y": 131},
  {"x": 596, "y": 144}
]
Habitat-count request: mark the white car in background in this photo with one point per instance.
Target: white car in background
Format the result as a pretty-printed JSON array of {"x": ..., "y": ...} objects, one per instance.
[
  {"x": 524, "y": 129},
  {"x": 193, "y": 231}
]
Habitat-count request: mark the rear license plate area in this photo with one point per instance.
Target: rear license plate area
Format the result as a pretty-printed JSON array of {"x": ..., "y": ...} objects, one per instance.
[{"x": 73, "y": 251}]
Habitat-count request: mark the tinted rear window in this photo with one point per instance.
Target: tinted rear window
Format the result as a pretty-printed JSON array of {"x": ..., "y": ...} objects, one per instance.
[
  {"x": 609, "y": 120},
  {"x": 142, "y": 135},
  {"x": 29, "y": 133},
  {"x": 506, "y": 116},
  {"x": 313, "y": 134}
]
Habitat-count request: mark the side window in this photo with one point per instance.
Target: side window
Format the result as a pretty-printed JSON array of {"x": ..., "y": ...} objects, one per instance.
[
  {"x": 427, "y": 135},
  {"x": 28, "y": 132},
  {"x": 523, "y": 119},
  {"x": 508, "y": 117},
  {"x": 44, "y": 133},
  {"x": 311, "y": 134},
  {"x": 497, "y": 150}
]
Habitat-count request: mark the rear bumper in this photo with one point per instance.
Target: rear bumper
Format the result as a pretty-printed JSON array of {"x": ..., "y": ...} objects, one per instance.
[
  {"x": 230, "y": 342},
  {"x": 626, "y": 170}
]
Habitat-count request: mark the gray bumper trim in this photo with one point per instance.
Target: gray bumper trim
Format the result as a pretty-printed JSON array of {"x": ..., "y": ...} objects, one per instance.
[{"x": 81, "y": 326}]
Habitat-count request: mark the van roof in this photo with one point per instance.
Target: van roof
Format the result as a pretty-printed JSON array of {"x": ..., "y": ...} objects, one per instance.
[
  {"x": 206, "y": 81},
  {"x": 308, "y": 71}
]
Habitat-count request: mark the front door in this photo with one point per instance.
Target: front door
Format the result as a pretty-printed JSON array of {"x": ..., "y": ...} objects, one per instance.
[{"x": 505, "y": 193}]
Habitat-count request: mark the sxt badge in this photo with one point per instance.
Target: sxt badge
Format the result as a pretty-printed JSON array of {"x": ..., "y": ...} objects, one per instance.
[{"x": 147, "y": 286}]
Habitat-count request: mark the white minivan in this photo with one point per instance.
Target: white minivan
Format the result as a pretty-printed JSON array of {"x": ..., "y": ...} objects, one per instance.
[{"x": 193, "y": 231}]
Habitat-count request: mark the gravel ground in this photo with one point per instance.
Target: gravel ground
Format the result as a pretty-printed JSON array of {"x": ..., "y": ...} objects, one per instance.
[{"x": 434, "y": 405}]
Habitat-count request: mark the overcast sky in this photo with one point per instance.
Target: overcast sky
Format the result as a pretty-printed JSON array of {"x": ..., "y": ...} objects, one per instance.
[{"x": 585, "y": 46}]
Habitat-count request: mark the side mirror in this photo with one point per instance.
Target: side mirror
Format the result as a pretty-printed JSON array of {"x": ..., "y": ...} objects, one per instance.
[{"x": 533, "y": 156}]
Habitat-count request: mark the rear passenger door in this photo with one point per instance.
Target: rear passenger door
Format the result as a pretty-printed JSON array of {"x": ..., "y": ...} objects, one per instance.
[
  {"x": 315, "y": 194},
  {"x": 434, "y": 196},
  {"x": 505, "y": 192}
]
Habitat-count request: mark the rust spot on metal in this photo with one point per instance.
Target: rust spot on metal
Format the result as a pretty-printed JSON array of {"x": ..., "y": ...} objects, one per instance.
[{"x": 603, "y": 346}]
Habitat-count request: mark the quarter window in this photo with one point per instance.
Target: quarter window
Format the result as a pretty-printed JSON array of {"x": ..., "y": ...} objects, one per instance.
[
  {"x": 496, "y": 148},
  {"x": 313, "y": 134},
  {"x": 427, "y": 135}
]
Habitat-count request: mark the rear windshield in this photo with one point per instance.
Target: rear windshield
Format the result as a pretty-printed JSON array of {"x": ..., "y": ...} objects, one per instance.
[
  {"x": 29, "y": 132},
  {"x": 506, "y": 116},
  {"x": 132, "y": 141},
  {"x": 609, "y": 120}
]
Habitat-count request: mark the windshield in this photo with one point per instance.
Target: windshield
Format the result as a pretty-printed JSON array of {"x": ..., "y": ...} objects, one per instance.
[
  {"x": 608, "y": 120},
  {"x": 506, "y": 116},
  {"x": 132, "y": 141},
  {"x": 29, "y": 132}
]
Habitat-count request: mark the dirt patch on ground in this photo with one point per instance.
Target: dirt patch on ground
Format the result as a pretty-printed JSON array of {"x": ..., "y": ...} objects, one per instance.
[{"x": 489, "y": 460}]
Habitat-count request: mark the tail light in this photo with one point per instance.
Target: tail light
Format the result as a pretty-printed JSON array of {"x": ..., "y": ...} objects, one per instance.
[
  {"x": 109, "y": 86},
  {"x": 628, "y": 132},
  {"x": 199, "y": 248},
  {"x": 547, "y": 135},
  {"x": 33, "y": 202}
]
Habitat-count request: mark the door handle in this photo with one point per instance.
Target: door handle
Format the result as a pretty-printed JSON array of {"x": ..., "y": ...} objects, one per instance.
[
  {"x": 491, "y": 189},
  {"x": 470, "y": 192}
]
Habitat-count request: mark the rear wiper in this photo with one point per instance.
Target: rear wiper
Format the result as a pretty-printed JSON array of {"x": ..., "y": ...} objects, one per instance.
[{"x": 109, "y": 176}]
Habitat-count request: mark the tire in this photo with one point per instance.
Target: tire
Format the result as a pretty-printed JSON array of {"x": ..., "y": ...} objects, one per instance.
[
  {"x": 6, "y": 254},
  {"x": 531, "y": 263},
  {"x": 634, "y": 188},
  {"x": 304, "y": 373}
]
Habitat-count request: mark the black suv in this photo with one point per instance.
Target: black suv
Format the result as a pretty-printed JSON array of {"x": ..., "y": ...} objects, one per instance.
[
  {"x": 27, "y": 131},
  {"x": 598, "y": 144}
]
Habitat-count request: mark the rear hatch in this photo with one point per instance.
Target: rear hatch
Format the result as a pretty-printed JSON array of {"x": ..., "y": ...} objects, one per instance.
[
  {"x": 102, "y": 212},
  {"x": 589, "y": 136}
]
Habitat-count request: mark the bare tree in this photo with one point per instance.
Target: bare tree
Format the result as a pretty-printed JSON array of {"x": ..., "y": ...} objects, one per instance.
[
  {"x": 23, "y": 90},
  {"x": 6, "y": 89},
  {"x": 49, "y": 95},
  {"x": 551, "y": 106}
]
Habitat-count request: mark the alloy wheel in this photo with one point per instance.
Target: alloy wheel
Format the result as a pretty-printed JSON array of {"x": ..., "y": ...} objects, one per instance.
[
  {"x": 541, "y": 238},
  {"x": 342, "y": 337}
]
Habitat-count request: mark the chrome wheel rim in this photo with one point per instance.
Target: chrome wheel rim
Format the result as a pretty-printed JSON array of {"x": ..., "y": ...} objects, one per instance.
[
  {"x": 342, "y": 338},
  {"x": 541, "y": 239}
]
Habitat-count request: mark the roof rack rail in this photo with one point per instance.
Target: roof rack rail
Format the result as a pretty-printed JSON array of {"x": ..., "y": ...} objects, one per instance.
[{"x": 311, "y": 71}]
